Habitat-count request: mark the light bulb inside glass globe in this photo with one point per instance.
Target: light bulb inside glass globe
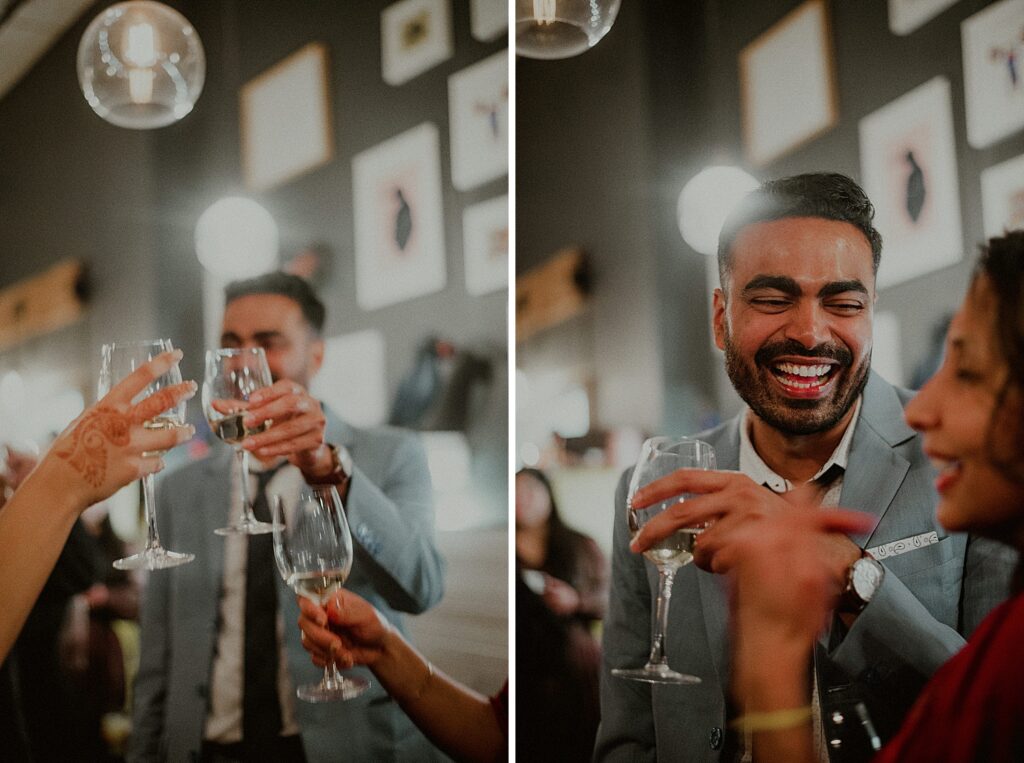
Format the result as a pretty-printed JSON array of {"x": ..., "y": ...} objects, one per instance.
[
  {"x": 706, "y": 200},
  {"x": 141, "y": 65},
  {"x": 561, "y": 28},
  {"x": 236, "y": 238}
]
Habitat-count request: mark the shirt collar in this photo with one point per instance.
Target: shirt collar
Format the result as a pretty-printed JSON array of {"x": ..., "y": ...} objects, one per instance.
[{"x": 754, "y": 466}]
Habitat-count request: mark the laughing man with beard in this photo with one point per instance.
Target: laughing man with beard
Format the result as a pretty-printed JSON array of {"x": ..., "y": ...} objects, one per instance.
[{"x": 798, "y": 260}]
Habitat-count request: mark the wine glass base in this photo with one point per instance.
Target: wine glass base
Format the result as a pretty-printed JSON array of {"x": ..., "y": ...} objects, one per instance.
[
  {"x": 248, "y": 528},
  {"x": 153, "y": 559},
  {"x": 655, "y": 675},
  {"x": 333, "y": 691}
]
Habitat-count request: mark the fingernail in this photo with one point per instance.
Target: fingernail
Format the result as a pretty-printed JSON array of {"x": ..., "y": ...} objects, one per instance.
[
  {"x": 249, "y": 420},
  {"x": 248, "y": 442},
  {"x": 178, "y": 354},
  {"x": 634, "y": 546}
]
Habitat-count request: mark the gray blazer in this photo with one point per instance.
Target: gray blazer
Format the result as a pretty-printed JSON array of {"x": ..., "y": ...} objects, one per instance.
[
  {"x": 932, "y": 598},
  {"x": 396, "y": 566}
]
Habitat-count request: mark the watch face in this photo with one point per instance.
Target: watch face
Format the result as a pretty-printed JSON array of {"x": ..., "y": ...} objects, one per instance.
[{"x": 867, "y": 576}]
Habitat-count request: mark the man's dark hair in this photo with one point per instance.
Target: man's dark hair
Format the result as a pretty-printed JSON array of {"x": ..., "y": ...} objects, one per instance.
[
  {"x": 828, "y": 195},
  {"x": 295, "y": 288}
]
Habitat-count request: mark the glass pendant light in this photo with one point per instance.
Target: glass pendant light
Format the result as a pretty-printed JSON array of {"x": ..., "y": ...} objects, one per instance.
[
  {"x": 141, "y": 65},
  {"x": 561, "y": 28}
]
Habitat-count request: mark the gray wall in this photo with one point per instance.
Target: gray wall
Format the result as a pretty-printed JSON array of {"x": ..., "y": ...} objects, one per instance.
[{"x": 667, "y": 74}]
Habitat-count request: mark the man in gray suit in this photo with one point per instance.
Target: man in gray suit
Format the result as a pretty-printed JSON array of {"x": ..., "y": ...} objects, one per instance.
[
  {"x": 798, "y": 259},
  {"x": 193, "y": 696}
]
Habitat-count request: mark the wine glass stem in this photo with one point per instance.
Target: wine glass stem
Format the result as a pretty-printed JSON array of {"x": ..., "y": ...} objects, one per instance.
[
  {"x": 149, "y": 506},
  {"x": 242, "y": 456},
  {"x": 657, "y": 659},
  {"x": 332, "y": 676}
]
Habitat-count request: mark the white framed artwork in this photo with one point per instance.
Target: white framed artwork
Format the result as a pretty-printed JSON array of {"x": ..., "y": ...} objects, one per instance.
[
  {"x": 1002, "y": 196},
  {"x": 787, "y": 84},
  {"x": 993, "y": 50},
  {"x": 399, "y": 222},
  {"x": 478, "y": 114},
  {"x": 361, "y": 398},
  {"x": 415, "y": 35},
  {"x": 908, "y": 167},
  {"x": 485, "y": 245},
  {"x": 488, "y": 19},
  {"x": 285, "y": 118},
  {"x": 907, "y": 15}
]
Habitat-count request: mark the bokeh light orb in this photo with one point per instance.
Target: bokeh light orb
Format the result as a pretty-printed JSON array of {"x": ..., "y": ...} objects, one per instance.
[
  {"x": 236, "y": 238},
  {"x": 706, "y": 200}
]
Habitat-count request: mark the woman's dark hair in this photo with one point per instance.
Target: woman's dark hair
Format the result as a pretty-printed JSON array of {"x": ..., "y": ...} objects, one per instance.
[
  {"x": 828, "y": 195},
  {"x": 563, "y": 542},
  {"x": 1002, "y": 263}
]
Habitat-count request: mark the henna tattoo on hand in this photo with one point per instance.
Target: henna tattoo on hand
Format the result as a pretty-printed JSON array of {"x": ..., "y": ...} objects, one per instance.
[
  {"x": 87, "y": 451},
  {"x": 155, "y": 404}
]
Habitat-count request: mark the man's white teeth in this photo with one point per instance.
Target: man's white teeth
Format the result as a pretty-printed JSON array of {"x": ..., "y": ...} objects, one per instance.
[
  {"x": 802, "y": 370},
  {"x": 944, "y": 464}
]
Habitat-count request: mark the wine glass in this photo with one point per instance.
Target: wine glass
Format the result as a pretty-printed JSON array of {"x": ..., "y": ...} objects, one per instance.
[
  {"x": 119, "y": 359},
  {"x": 313, "y": 549},
  {"x": 659, "y": 457},
  {"x": 232, "y": 375}
]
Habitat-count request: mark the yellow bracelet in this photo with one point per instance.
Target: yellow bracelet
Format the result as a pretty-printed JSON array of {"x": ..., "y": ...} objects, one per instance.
[{"x": 772, "y": 720}]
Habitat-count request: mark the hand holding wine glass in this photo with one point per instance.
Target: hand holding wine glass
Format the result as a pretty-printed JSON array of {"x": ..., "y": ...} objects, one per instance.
[
  {"x": 660, "y": 457},
  {"x": 232, "y": 376},
  {"x": 130, "y": 372},
  {"x": 313, "y": 550}
]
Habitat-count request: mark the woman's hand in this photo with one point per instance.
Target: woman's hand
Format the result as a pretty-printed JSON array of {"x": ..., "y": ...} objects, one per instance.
[
  {"x": 348, "y": 631},
  {"x": 107, "y": 446}
]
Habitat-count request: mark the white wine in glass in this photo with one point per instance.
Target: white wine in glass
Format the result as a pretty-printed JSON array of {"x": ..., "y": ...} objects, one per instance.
[
  {"x": 232, "y": 375},
  {"x": 313, "y": 551},
  {"x": 659, "y": 457},
  {"x": 118, "y": 360}
]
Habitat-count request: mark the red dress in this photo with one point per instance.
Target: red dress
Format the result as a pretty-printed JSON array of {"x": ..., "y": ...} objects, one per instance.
[{"x": 973, "y": 708}]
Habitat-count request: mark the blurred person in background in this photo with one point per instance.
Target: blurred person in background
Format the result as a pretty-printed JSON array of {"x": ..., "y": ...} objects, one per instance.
[{"x": 561, "y": 595}]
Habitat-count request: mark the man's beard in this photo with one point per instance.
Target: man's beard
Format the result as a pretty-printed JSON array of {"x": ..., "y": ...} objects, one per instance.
[{"x": 794, "y": 416}]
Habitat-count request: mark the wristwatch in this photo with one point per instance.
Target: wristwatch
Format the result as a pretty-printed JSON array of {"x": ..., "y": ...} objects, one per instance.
[
  {"x": 341, "y": 471},
  {"x": 863, "y": 579}
]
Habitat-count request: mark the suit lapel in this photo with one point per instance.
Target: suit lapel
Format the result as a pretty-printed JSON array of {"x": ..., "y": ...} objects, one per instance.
[
  {"x": 215, "y": 495},
  {"x": 713, "y": 598},
  {"x": 875, "y": 470}
]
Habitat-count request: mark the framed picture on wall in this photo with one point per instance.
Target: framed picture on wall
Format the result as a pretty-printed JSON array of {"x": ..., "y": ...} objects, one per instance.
[
  {"x": 1002, "y": 196},
  {"x": 285, "y": 118},
  {"x": 993, "y": 48},
  {"x": 478, "y": 116},
  {"x": 399, "y": 221},
  {"x": 908, "y": 165},
  {"x": 362, "y": 398},
  {"x": 787, "y": 84},
  {"x": 485, "y": 245},
  {"x": 907, "y": 15},
  {"x": 488, "y": 19},
  {"x": 415, "y": 35}
]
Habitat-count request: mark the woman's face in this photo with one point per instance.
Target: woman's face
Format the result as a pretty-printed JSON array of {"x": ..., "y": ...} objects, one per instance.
[
  {"x": 954, "y": 411},
  {"x": 533, "y": 504}
]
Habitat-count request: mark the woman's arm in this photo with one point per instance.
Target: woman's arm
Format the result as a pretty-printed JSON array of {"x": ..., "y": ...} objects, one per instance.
[
  {"x": 350, "y": 632},
  {"x": 99, "y": 452}
]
